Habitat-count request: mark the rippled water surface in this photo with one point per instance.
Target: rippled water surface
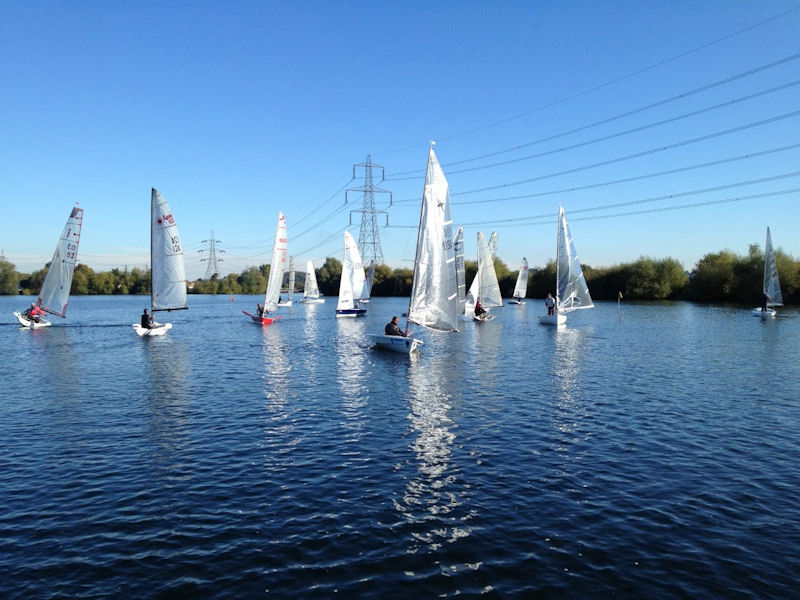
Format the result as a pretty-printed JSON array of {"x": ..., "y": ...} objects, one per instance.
[{"x": 651, "y": 452}]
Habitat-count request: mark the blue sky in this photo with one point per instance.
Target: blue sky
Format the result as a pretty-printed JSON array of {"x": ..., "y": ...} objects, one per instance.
[{"x": 237, "y": 110}]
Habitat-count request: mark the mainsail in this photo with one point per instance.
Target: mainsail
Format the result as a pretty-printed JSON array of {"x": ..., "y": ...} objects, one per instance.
[
  {"x": 352, "y": 279},
  {"x": 434, "y": 294},
  {"x": 572, "y": 293},
  {"x": 291, "y": 277},
  {"x": 310, "y": 288},
  {"x": 277, "y": 266},
  {"x": 368, "y": 281},
  {"x": 458, "y": 248},
  {"x": 484, "y": 287},
  {"x": 522, "y": 280},
  {"x": 168, "y": 274},
  {"x": 772, "y": 285},
  {"x": 54, "y": 294},
  {"x": 492, "y": 243}
]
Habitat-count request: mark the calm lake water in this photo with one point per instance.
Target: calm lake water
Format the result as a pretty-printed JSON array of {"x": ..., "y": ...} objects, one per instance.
[{"x": 650, "y": 453}]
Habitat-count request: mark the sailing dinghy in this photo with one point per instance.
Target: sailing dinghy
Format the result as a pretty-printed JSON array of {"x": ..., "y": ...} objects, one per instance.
[
  {"x": 310, "y": 287},
  {"x": 54, "y": 294},
  {"x": 290, "y": 294},
  {"x": 434, "y": 292},
  {"x": 365, "y": 295},
  {"x": 276, "y": 269},
  {"x": 521, "y": 288},
  {"x": 572, "y": 293},
  {"x": 772, "y": 285},
  {"x": 167, "y": 272},
  {"x": 352, "y": 280},
  {"x": 484, "y": 287}
]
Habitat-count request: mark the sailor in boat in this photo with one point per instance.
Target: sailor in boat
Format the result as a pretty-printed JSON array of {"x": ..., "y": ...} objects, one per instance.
[
  {"x": 33, "y": 313},
  {"x": 479, "y": 310},
  {"x": 147, "y": 321},
  {"x": 764, "y": 300},
  {"x": 260, "y": 311},
  {"x": 392, "y": 328},
  {"x": 550, "y": 303}
]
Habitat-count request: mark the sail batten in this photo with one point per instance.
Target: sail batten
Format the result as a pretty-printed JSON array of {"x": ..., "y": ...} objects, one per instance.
[
  {"x": 54, "y": 295},
  {"x": 434, "y": 292},
  {"x": 277, "y": 265},
  {"x": 168, "y": 273}
]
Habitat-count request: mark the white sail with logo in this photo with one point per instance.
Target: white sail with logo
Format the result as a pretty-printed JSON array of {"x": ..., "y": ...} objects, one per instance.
[
  {"x": 434, "y": 293},
  {"x": 277, "y": 266},
  {"x": 54, "y": 294},
  {"x": 458, "y": 248},
  {"x": 167, "y": 269},
  {"x": 521, "y": 288}
]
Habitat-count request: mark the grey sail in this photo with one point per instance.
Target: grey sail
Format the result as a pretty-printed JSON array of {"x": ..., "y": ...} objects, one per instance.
[
  {"x": 54, "y": 294},
  {"x": 772, "y": 285}
]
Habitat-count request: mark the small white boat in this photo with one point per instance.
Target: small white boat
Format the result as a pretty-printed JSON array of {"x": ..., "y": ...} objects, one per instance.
[
  {"x": 167, "y": 272},
  {"x": 572, "y": 293},
  {"x": 434, "y": 291},
  {"x": 484, "y": 287},
  {"x": 521, "y": 287},
  {"x": 310, "y": 287},
  {"x": 54, "y": 295},
  {"x": 352, "y": 280},
  {"x": 772, "y": 285}
]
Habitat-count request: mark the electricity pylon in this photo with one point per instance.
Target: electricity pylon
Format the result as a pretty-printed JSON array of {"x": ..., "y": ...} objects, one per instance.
[
  {"x": 212, "y": 270},
  {"x": 369, "y": 241}
]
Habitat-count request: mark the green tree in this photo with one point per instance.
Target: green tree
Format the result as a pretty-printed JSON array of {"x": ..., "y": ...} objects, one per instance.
[
  {"x": 713, "y": 278},
  {"x": 9, "y": 279},
  {"x": 328, "y": 276}
]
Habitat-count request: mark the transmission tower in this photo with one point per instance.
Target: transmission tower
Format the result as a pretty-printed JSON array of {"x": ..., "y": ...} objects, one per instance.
[
  {"x": 212, "y": 270},
  {"x": 369, "y": 242}
]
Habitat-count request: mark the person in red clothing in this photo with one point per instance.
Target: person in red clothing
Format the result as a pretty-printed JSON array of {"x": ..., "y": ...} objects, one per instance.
[{"x": 33, "y": 313}]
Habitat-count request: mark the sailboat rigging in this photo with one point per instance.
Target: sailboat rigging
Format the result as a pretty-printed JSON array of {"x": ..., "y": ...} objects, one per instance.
[{"x": 276, "y": 269}]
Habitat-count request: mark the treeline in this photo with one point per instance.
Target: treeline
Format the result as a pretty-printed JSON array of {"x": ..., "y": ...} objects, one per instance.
[{"x": 717, "y": 277}]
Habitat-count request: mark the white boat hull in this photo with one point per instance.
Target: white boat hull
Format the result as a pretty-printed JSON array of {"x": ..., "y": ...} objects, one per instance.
[
  {"x": 156, "y": 329},
  {"x": 483, "y": 318},
  {"x": 770, "y": 312},
  {"x": 516, "y": 302},
  {"x": 556, "y": 319},
  {"x": 312, "y": 300},
  {"x": 286, "y": 303},
  {"x": 396, "y": 343},
  {"x": 25, "y": 322}
]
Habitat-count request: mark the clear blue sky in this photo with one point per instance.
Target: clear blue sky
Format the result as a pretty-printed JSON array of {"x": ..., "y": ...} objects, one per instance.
[{"x": 237, "y": 110}]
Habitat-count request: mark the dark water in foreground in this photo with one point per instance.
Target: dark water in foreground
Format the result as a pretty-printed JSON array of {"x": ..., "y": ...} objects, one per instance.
[{"x": 648, "y": 454}]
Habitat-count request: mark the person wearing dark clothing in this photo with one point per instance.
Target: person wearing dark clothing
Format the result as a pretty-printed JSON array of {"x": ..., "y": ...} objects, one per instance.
[
  {"x": 764, "y": 300},
  {"x": 260, "y": 311},
  {"x": 146, "y": 322},
  {"x": 479, "y": 310},
  {"x": 392, "y": 328}
]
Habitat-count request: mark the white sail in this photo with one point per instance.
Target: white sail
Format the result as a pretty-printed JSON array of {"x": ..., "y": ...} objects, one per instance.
[
  {"x": 521, "y": 288},
  {"x": 167, "y": 270},
  {"x": 365, "y": 295},
  {"x": 458, "y": 248},
  {"x": 352, "y": 274},
  {"x": 484, "y": 287},
  {"x": 572, "y": 293},
  {"x": 277, "y": 266},
  {"x": 434, "y": 293},
  {"x": 54, "y": 294},
  {"x": 310, "y": 288},
  {"x": 772, "y": 285},
  {"x": 291, "y": 277},
  {"x": 492, "y": 243}
]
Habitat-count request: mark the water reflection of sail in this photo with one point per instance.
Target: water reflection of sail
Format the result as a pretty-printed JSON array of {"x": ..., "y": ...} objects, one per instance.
[
  {"x": 570, "y": 350},
  {"x": 351, "y": 377},
  {"x": 276, "y": 390},
  {"x": 434, "y": 499}
]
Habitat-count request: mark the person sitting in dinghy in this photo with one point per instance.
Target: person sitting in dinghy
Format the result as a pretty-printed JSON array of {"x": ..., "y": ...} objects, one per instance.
[
  {"x": 260, "y": 311},
  {"x": 479, "y": 310},
  {"x": 33, "y": 313},
  {"x": 147, "y": 322},
  {"x": 392, "y": 328}
]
